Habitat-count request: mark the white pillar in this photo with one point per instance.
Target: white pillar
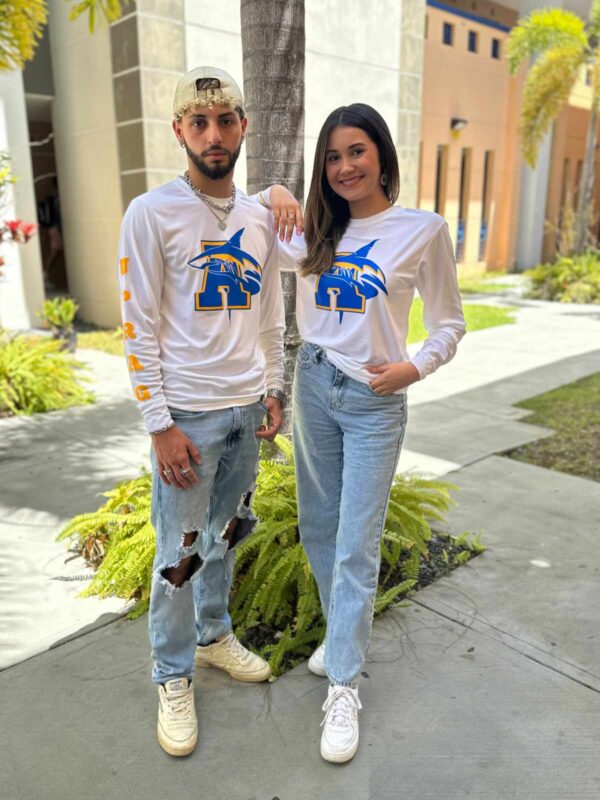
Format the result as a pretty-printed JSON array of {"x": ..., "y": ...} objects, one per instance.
[
  {"x": 532, "y": 208},
  {"x": 22, "y": 281}
]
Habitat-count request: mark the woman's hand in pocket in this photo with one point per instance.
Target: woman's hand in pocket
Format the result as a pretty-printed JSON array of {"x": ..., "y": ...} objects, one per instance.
[{"x": 392, "y": 377}]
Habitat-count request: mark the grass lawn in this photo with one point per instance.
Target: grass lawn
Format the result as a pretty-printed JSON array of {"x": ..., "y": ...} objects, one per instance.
[
  {"x": 481, "y": 287},
  {"x": 107, "y": 341},
  {"x": 483, "y": 282},
  {"x": 573, "y": 411},
  {"x": 477, "y": 318}
]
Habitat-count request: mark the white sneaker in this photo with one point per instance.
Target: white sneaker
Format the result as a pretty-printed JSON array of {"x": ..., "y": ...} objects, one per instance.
[
  {"x": 339, "y": 740},
  {"x": 316, "y": 663},
  {"x": 177, "y": 723},
  {"x": 232, "y": 657}
]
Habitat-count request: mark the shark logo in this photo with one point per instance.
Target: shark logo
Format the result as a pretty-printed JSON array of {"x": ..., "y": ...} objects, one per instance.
[
  {"x": 230, "y": 275},
  {"x": 352, "y": 280}
]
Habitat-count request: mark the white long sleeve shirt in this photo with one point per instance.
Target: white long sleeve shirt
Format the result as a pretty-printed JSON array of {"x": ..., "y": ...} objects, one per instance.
[
  {"x": 359, "y": 310},
  {"x": 202, "y": 308}
]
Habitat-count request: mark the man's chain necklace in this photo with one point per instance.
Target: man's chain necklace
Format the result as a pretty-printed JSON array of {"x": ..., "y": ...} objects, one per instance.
[{"x": 212, "y": 206}]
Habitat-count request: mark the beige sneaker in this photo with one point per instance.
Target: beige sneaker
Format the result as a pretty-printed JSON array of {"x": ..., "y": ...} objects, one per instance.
[
  {"x": 177, "y": 723},
  {"x": 232, "y": 657}
]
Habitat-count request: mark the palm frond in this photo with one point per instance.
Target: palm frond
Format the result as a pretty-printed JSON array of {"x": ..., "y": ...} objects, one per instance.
[
  {"x": 547, "y": 89},
  {"x": 547, "y": 29}
]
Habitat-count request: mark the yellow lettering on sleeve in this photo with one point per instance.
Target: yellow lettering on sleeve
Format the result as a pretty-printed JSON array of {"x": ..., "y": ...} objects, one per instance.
[
  {"x": 126, "y": 296},
  {"x": 128, "y": 330},
  {"x": 123, "y": 266},
  {"x": 142, "y": 393},
  {"x": 134, "y": 364}
]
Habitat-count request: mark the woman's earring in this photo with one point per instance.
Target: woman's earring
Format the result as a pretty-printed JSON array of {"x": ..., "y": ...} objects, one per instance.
[
  {"x": 182, "y": 144},
  {"x": 383, "y": 179}
]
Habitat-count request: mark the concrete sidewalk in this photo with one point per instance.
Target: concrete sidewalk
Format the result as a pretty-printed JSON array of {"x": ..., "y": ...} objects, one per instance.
[{"x": 486, "y": 685}]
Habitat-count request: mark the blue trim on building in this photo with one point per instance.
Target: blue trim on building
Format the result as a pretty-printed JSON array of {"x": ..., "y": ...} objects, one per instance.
[{"x": 460, "y": 13}]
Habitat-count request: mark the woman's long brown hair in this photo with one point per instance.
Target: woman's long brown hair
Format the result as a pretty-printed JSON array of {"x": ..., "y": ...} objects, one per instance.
[{"x": 327, "y": 214}]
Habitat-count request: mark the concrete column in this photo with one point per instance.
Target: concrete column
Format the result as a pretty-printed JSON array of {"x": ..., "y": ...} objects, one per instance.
[
  {"x": 85, "y": 144},
  {"x": 532, "y": 211},
  {"x": 22, "y": 283},
  {"x": 410, "y": 81},
  {"x": 148, "y": 56}
]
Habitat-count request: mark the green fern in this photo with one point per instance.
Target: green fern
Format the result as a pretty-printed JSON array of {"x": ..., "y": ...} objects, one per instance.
[{"x": 274, "y": 591}]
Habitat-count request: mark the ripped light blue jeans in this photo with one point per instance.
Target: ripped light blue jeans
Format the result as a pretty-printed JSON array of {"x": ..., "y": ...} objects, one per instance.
[
  {"x": 347, "y": 444},
  {"x": 197, "y": 612}
]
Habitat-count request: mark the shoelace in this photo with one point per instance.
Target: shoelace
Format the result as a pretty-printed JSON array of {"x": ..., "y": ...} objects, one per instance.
[
  {"x": 339, "y": 706},
  {"x": 179, "y": 708},
  {"x": 236, "y": 648}
]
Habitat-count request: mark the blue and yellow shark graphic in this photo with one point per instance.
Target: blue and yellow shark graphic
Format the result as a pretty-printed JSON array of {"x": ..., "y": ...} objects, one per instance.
[
  {"x": 352, "y": 280},
  {"x": 230, "y": 275}
]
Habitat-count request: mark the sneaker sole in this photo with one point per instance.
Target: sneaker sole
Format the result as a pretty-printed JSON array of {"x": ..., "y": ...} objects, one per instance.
[
  {"x": 340, "y": 758},
  {"x": 175, "y": 748},
  {"x": 317, "y": 669},
  {"x": 244, "y": 677}
]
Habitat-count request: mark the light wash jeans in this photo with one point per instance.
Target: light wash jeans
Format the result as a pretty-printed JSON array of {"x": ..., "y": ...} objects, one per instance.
[
  {"x": 197, "y": 612},
  {"x": 347, "y": 444}
]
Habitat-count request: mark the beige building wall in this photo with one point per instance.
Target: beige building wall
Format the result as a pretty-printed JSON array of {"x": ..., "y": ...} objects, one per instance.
[{"x": 476, "y": 88}]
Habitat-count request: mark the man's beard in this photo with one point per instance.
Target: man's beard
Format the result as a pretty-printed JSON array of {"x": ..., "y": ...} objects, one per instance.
[{"x": 216, "y": 171}]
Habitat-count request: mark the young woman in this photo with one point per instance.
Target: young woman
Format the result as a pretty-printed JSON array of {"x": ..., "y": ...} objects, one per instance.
[{"x": 359, "y": 265}]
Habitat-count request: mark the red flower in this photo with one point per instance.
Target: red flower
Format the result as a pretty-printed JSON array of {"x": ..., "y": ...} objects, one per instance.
[
  {"x": 13, "y": 227},
  {"x": 18, "y": 230},
  {"x": 28, "y": 229}
]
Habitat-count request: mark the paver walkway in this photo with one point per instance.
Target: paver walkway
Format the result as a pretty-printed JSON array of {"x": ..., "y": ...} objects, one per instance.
[{"x": 485, "y": 685}]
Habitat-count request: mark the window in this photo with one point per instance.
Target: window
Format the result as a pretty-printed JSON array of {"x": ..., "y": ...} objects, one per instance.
[
  {"x": 588, "y": 77},
  {"x": 495, "y": 48},
  {"x": 426, "y": 26},
  {"x": 472, "y": 42},
  {"x": 448, "y": 33}
]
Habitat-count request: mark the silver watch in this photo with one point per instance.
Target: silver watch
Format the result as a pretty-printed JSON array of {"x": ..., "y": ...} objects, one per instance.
[{"x": 278, "y": 395}]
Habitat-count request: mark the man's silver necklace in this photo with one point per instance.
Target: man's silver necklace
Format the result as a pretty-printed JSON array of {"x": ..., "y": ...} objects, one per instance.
[{"x": 212, "y": 207}]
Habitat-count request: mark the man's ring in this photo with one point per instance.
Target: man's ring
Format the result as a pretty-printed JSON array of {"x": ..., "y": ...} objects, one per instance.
[
  {"x": 167, "y": 471},
  {"x": 183, "y": 471},
  {"x": 291, "y": 214}
]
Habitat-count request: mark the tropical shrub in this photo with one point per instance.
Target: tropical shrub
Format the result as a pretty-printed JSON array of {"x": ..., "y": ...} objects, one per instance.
[
  {"x": 275, "y": 604},
  {"x": 59, "y": 313},
  {"x": 568, "y": 280},
  {"x": 36, "y": 376}
]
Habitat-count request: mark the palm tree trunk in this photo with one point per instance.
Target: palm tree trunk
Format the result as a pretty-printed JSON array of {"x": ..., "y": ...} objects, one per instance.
[
  {"x": 586, "y": 186},
  {"x": 273, "y": 51}
]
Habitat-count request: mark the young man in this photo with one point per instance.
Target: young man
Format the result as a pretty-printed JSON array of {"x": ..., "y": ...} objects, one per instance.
[{"x": 203, "y": 324}]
